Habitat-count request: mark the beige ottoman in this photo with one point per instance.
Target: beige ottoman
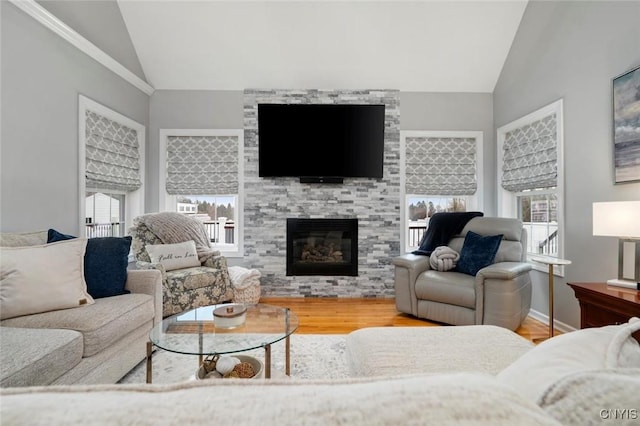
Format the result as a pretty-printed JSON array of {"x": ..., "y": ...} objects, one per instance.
[{"x": 388, "y": 351}]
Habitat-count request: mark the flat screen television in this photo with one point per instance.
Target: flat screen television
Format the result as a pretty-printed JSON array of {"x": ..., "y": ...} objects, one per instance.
[{"x": 320, "y": 142}]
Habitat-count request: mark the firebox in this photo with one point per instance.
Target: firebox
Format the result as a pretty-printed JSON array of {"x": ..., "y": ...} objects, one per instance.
[{"x": 322, "y": 247}]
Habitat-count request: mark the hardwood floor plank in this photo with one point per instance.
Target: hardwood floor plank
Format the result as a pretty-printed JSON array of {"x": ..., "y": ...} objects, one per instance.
[{"x": 344, "y": 315}]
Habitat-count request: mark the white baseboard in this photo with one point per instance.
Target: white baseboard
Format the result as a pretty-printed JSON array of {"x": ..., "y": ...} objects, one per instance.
[{"x": 558, "y": 325}]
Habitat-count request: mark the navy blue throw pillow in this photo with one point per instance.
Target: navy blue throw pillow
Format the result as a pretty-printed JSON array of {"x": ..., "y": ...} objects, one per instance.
[
  {"x": 105, "y": 263},
  {"x": 477, "y": 252}
]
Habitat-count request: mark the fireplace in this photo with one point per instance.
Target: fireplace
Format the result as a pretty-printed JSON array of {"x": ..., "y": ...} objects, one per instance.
[{"x": 322, "y": 247}]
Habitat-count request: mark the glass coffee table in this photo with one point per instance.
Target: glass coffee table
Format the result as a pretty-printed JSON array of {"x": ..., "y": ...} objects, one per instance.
[{"x": 194, "y": 332}]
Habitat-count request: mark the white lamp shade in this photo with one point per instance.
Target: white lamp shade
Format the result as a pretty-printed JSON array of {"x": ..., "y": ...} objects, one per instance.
[{"x": 617, "y": 219}]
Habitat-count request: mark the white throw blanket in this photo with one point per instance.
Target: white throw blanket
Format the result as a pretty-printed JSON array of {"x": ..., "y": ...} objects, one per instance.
[
  {"x": 242, "y": 278},
  {"x": 443, "y": 259}
]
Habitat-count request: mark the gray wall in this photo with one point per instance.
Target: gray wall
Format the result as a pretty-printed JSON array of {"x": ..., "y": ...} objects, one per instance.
[
  {"x": 456, "y": 111},
  {"x": 187, "y": 109},
  {"x": 42, "y": 76},
  {"x": 200, "y": 109},
  {"x": 568, "y": 50},
  {"x": 99, "y": 21},
  {"x": 572, "y": 50}
]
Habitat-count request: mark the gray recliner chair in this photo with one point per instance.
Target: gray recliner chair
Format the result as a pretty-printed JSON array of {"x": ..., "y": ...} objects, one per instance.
[{"x": 499, "y": 294}]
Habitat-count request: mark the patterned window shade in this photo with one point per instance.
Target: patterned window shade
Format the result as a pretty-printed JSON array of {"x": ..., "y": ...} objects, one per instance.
[
  {"x": 202, "y": 165},
  {"x": 112, "y": 156},
  {"x": 530, "y": 159},
  {"x": 440, "y": 165}
]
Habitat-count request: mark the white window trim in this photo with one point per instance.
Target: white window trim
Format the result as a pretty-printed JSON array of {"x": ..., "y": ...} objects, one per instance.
[
  {"x": 167, "y": 202},
  {"x": 134, "y": 200},
  {"x": 507, "y": 201},
  {"x": 475, "y": 201}
]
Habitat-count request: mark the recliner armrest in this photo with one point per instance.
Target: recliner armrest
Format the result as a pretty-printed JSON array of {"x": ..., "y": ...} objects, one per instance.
[
  {"x": 416, "y": 264},
  {"x": 504, "y": 270},
  {"x": 407, "y": 269}
]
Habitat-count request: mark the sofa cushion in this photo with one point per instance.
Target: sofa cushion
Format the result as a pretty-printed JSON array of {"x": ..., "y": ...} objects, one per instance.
[
  {"x": 174, "y": 256},
  {"x": 477, "y": 252},
  {"x": 571, "y": 399},
  {"x": 587, "y": 349},
  {"x": 448, "y": 399},
  {"x": 30, "y": 356},
  {"x": 452, "y": 288},
  {"x": 105, "y": 263},
  {"x": 42, "y": 278},
  {"x": 21, "y": 239},
  {"x": 101, "y": 324}
]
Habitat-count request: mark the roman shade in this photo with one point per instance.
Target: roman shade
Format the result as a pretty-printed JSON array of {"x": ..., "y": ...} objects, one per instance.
[
  {"x": 440, "y": 165},
  {"x": 112, "y": 154},
  {"x": 202, "y": 165},
  {"x": 530, "y": 159}
]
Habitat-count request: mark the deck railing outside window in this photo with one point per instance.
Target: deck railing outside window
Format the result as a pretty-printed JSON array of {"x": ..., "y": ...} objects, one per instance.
[
  {"x": 542, "y": 237},
  {"x": 213, "y": 228},
  {"x": 220, "y": 231},
  {"x": 94, "y": 230}
]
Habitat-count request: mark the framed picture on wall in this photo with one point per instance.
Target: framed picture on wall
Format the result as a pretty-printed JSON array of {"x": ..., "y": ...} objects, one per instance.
[{"x": 626, "y": 126}]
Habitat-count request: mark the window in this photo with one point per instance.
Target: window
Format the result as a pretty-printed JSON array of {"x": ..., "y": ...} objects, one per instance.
[
  {"x": 442, "y": 173},
  {"x": 539, "y": 214},
  {"x": 104, "y": 213},
  {"x": 531, "y": 170},
  {"x": 111, "y": 153},
  {"x": 201, "y": 176},
  {"x": 421, "y": 208}
]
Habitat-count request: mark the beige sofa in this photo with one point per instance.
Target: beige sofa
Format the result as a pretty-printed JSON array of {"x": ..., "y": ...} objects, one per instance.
[
  {"x": 97, "y": 343},
  {"x": 581, "y": 378}
]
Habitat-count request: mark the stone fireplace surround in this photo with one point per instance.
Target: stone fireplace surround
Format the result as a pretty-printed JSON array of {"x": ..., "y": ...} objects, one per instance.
[{"x": 268, "y": 202}]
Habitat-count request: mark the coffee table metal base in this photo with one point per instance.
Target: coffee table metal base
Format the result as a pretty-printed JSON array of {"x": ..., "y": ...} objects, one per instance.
[{"x": 267, "y": 359}]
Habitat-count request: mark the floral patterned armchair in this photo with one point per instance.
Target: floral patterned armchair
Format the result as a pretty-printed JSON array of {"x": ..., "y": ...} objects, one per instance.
[{"x": 187, "y": 288}]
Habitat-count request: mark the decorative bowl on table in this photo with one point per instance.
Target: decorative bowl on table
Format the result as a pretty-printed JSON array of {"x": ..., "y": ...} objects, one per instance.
[
  {"x": 229, "y": 315},
  {"x": 230, "y": 366}
]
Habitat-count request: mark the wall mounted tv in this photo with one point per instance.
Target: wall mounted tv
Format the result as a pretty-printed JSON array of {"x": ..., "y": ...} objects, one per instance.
[{"x": 320, "y": 143}]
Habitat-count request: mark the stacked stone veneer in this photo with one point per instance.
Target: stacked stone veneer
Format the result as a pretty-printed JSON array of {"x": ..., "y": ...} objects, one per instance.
[{"x": 268, "y": 202}]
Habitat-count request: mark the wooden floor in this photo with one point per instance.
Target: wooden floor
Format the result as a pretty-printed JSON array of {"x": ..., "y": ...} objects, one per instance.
[{"x": 344, "y": 315}]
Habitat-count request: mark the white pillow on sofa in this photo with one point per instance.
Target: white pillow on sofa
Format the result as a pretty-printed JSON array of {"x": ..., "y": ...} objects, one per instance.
[
  {"x": 587, "y": 349},
  {"x": 174, "y": 256},
  {"x": 42, "y": 278}
]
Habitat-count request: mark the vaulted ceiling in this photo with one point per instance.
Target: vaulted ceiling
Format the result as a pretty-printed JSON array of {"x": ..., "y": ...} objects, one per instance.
[{"x": 432, "y": 46}]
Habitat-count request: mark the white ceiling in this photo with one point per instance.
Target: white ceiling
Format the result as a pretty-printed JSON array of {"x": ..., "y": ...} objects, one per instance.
[{"x": 431, "y": 46}]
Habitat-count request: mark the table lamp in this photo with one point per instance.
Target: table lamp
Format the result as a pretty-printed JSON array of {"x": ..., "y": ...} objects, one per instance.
[{"x": 621, "y": 219}]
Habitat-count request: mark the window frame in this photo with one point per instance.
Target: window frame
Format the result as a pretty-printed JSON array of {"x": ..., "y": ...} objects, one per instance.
[
  {"x": 134, "y": 200},
  {"x": 167, "y": 202},
  {"x": 508, "y": 201},
  {"x": 473, "y": 202}
]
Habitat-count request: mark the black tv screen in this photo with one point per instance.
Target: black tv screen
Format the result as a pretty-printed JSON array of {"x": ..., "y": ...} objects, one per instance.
[{"x": 318, "y": 140}]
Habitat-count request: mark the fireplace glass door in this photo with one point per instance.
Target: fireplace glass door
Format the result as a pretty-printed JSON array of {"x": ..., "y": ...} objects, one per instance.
[{"x": 322, "y": 247}]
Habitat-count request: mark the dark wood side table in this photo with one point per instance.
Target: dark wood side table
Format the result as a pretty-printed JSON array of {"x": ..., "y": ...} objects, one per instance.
[{"x": 602, "y": 304}]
